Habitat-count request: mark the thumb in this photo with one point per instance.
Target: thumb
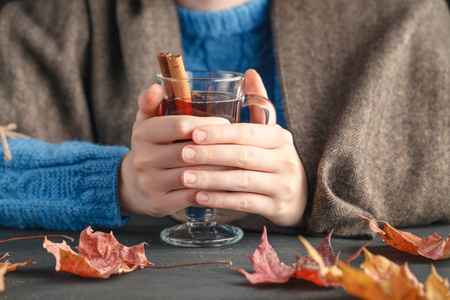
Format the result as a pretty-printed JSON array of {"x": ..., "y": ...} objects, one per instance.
[
  {"x": 149, "y": 102},
  {"x": 254, "y": 84},
  {"x": 261, "y": 109}
]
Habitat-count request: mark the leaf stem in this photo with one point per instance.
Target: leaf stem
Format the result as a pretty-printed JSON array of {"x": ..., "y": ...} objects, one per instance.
[
  {"x": 227, "y": 262},
  {"x": 38, "y": 236}
]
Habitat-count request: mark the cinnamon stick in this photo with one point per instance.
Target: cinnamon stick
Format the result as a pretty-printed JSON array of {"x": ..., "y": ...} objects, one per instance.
[
  {"x": 180, "y": 87},
  {"x": 164, "y": 64},
  {"x": 165, "y": 71}
]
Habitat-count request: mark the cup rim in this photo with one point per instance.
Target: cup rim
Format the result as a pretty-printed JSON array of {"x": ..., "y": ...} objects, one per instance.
[{"x": 234, "y": 76}]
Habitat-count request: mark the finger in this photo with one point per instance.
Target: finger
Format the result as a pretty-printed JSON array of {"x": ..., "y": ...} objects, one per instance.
[
  {"x": 173, "y": 201},
  {"x": 170, "y": 179},
  {"x": 243, "y": 157},
  {"x": 254, "y": 84},
  {"x": 159, "y": 156},
  {"x": 257, "y": 135},
  {"x": 172, "y": 128},
  {"x": 261, "y": 109},
  {"x": 149, "y": 102},
  {"x": 246, "y": 202},
  {"x": 233, "y": 180}
]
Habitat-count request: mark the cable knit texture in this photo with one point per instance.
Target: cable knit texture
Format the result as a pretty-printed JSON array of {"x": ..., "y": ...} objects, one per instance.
[
  {"x": 73, "y": 185},
  {"x": 236, "y": 39},
  {"x": 66, "y": 186}
]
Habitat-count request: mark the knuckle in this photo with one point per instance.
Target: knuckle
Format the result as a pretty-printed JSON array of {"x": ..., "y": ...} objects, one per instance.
[
  {"x": 138, "y": 163},
  {"x": 244, "y": 156},
  {"x": 243, "y": 180},
  {"x": 209, "y": 154},
  {"x": 221, "y": 201},
  {"x": 288, "y": 136},
  {"x": 138, "y": 134},
  {"x": 215, "y": 133},
  {"x": 291, "y": 164},
  {"x": 181, "y": 127},
  {"x": 246, "y": 132},
  {"x": 289, "y": 187},
  {"x": 210, "y": 179},
  {"x": 142, "y": 183},
  {"x": 244, "y": 203}
]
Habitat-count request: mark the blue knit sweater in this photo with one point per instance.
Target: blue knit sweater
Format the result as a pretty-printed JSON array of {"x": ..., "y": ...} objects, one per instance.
[{"x": 74, "y": 184}]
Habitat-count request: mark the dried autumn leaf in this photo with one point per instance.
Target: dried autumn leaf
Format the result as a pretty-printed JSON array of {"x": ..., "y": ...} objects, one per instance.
[
  {"x": 269, "y": 269},
  {"x": 436, "y": 287},
  {"x": 308, "y": 269},
  {"x": 267, "y": 265},
  {"x": 380, "y": 278},
  {"x": 433, "y": 246},
  {"x": 100, "y": 255},
  {"x": 9, "y": 267},
  {"x": 3, "y": 269}
]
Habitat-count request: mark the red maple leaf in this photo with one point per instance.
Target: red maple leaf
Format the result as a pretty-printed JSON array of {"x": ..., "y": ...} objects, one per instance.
[
  {"x": 100, "y": 255},
  {"x": 433, "y": 246},
  {"x": 267, "y": 265}
]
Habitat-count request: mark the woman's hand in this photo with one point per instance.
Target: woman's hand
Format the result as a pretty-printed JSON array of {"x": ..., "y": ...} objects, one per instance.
[
  {"x": 150, "y": 175},
  {"x": 266, "y": 176}
]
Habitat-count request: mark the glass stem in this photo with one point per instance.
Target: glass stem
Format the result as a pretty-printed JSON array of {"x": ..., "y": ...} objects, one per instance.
[{"x": 201, "y": 214}]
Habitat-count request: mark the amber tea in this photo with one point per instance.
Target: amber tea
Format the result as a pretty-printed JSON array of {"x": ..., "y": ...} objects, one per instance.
[{"x": 206, "y": 104}]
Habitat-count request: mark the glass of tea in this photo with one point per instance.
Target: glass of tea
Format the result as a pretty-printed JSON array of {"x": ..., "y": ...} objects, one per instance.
[{"x": 211, "y": 93}]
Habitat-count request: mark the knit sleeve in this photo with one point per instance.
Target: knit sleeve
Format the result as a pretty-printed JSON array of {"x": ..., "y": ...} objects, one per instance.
[{"x": 67, "y": 186}]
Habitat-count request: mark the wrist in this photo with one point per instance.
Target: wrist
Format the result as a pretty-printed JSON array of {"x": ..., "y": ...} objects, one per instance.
[{"x": 124, "y": 185}]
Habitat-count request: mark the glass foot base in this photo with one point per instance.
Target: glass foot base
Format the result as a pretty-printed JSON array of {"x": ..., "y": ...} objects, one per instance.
[{"x": 201, "y": 234}]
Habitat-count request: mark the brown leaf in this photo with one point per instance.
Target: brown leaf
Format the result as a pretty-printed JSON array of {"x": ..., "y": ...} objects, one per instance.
[
  {"x": 433, "y": 246},
  {"x": 267, "y": 265},
  {"x": 100, "y": 255}
]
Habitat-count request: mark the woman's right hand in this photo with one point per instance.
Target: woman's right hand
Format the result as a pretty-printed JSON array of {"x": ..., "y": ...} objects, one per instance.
[{"x": 150, "y": 177}]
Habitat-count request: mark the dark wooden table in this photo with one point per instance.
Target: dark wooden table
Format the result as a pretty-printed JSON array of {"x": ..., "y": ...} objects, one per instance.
[{"x": 41, "y": 281}]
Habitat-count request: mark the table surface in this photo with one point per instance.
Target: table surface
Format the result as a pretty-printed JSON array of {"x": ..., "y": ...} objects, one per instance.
[{"x": 41, "y": 281}]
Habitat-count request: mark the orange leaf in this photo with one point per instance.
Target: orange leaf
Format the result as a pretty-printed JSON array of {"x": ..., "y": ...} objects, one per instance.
[
  {"x": 433, "y": 246},
  {"x": 309, "y": 270},
  {"x": 100, "y": 255},
  {"x": 379, "y": 279}
]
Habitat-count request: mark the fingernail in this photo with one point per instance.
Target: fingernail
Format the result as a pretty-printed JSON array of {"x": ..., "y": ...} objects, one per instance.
[
  {"x": 202, "y": 197},
  {"x": 200, "y": 135},
  {"x": 188, "y": 153},
  {"x": 190, "y": 177}
]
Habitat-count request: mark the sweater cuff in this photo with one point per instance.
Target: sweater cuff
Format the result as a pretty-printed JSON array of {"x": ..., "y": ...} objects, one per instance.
[{"x": 68, "y": 186}]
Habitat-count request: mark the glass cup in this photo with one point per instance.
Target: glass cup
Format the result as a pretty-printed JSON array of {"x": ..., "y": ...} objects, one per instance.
[{"x": 213, "y": 93}]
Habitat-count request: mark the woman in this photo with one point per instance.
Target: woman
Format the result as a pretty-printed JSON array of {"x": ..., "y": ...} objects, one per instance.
[{"x": 361, "y": 88}]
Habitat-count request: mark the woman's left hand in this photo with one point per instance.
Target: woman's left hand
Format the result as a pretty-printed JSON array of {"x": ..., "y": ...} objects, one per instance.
[{"x": 267, "y": 177}]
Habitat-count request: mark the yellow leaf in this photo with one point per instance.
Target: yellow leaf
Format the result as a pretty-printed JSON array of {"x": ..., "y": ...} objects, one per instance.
[
  {"x": 3, "y": 269},
  {"x": 436, "y": 287},
  {"x": 379, "y": 277}
]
